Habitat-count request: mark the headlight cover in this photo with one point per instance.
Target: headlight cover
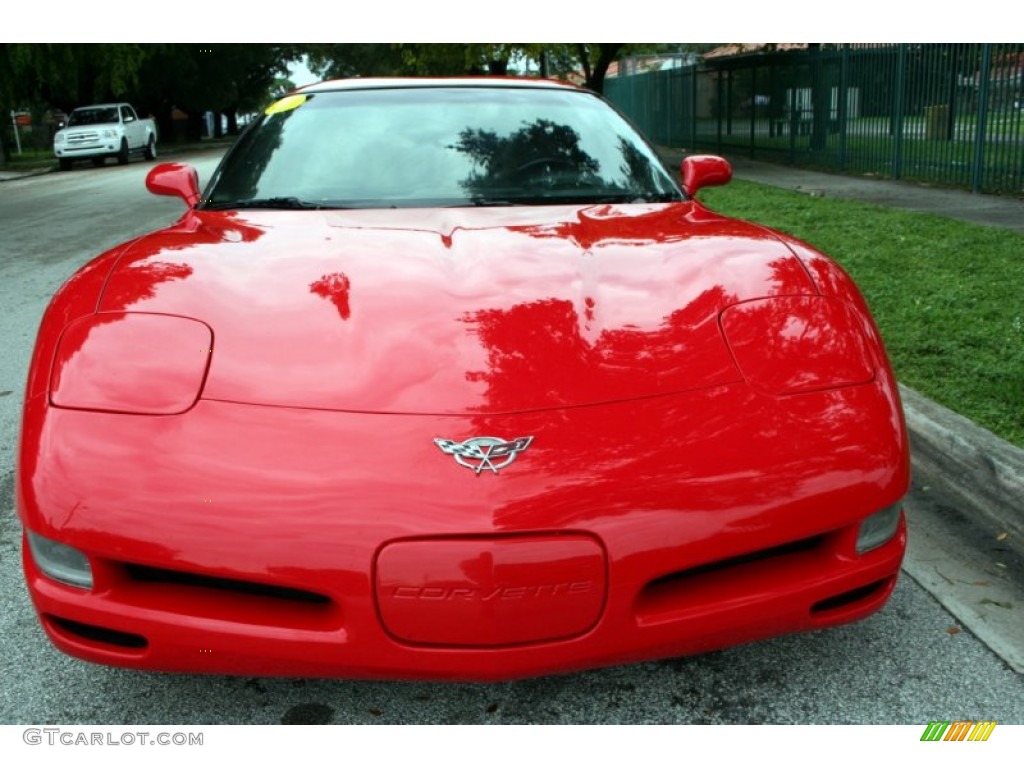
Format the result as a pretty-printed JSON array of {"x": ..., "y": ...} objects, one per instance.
[
  {"x": 879, "y": 528},
  {"x": 59, "y": 561},
  {"x": 130, "y": 362},
  {"x": 792, "y": 344}
]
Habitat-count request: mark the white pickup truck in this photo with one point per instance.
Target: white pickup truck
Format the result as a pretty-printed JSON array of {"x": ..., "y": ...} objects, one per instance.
[{"x": 100, "y": 131}]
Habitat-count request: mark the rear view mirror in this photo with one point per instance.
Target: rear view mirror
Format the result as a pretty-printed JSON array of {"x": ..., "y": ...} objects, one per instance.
[
  {"x": 699, "y": 171},
  {"x": 175, "y": 180}
]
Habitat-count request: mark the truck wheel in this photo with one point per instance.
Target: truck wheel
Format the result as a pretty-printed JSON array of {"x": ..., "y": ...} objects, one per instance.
[
  {"x": 150, "y": 153},
  {"x": 65, "y": 163},
  {"x": 122, "y": 156}
]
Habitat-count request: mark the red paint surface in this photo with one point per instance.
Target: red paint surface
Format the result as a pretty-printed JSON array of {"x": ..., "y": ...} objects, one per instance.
[{"x": 344, "y": 343}]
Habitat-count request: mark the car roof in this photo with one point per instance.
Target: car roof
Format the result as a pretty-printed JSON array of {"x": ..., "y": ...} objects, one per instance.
[{"x": 374, "y": 83}]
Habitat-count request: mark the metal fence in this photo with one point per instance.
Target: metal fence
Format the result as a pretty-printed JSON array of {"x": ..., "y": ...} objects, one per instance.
[{"x": 949, "y": 114}]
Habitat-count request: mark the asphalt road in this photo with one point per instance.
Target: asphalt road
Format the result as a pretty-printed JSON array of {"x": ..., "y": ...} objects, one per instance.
[{"x": 911, "y": 663}]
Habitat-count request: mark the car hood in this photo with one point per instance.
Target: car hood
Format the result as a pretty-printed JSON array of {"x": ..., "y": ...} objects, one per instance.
[
  {"x": 87, "y": 127},
  {"x": 457, "y": 311}
]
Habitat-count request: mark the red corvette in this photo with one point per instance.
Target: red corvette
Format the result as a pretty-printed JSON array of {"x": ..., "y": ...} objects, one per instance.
[{"x": 451, "y": 379}]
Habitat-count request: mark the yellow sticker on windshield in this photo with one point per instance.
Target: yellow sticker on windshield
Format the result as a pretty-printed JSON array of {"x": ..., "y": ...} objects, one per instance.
[{"x": 286, "y": 104}]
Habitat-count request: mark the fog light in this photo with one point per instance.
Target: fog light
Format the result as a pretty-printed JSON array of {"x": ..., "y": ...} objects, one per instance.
[
  {"x": 60, "y": 562},
  {"x": 879, "y": 528}
]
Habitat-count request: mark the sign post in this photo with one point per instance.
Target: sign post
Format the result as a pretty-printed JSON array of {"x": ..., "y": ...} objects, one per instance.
[{"x": 17, "y": 137}]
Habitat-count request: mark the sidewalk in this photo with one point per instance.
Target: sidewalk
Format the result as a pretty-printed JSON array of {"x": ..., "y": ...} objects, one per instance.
[
  {"x": 14, "y": 175},
  {"x": 973, "y": 467},
  {"x": 992, "y": 210}
]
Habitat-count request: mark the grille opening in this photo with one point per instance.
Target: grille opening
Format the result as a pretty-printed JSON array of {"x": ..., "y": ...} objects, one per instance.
[
  {"x": 145, "y": 573},
  {"x": 99, "y": 634},
  {"x": 706, "y": 588},
  {"x": 792, "y": 548},
  {"x": 848, "y": 598}
]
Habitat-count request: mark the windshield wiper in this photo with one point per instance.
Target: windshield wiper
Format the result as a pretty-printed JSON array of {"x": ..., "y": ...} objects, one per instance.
[
  {"x": 278, "y": 203},
  {"x": 581, "y": 198},
  {"x": 666, "y": 197},
  {"x": 488, "y": 202}
]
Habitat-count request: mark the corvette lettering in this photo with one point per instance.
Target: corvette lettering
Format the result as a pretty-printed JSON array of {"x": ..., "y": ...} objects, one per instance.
[
  {"x": 480, "y": 453},
  {"x": 490, "y": 594}
]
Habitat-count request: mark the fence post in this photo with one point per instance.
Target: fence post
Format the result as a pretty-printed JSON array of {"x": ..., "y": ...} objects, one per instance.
[
  {"x": 718, "y": 145},
  {"x": 897, "y": 117},
  {"x": 981, "y": 127},
  {"x": 753, "y": 108},
  {"x": 820, "y": 100},
  {"x": 791, "y": 117},
  {"x": 728, "y": 104},
  {"x": 667, "y": 81},
  {"x": 843, "y": 116},
  {"x": 693, "y": 110}
]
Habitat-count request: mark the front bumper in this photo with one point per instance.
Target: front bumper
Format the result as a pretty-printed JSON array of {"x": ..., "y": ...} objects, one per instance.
[
  {"x": 261, "y": 541},
  {"x": 106, "y": 149}
]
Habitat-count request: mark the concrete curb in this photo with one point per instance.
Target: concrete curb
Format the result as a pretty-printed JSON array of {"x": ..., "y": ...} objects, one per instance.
[
  {"x": 982, "y": 473},
  {"x": 15, "y": 175}
]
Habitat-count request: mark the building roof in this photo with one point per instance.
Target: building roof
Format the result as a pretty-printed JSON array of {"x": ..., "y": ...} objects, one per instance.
[{"x": 742, "y": 49}]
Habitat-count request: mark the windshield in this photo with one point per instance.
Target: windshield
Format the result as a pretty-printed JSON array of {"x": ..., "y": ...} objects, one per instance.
[
  {"x": 93, "y": 116},
  {"x": 439, "y": 146}
]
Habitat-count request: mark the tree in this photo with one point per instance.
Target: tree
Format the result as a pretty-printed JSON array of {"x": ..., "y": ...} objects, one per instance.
[
  {"x": 602, "y": 54},
  {"x": 342, "y": 60},
  {"x": 423, "y": 59},
  {"x": 226, "y": 79},
  {"x": 6, "y": 95},
  {"x": 525, "y": 157},
  {"x": 233, "y": 78},
  {"x": 64, "y": 76},
  {"x": 222, "y": 78}
]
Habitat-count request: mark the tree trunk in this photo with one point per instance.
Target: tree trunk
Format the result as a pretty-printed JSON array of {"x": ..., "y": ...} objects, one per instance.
[
  {"x": 595, "y": 80},
  {"x": 194, "y": 127},
  {"x": 164, "y": 122},
  {"x": 232, "y": 115},
  {"x": 584, "y": 61}
]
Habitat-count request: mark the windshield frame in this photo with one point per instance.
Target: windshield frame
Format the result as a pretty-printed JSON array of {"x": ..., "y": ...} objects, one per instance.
[
  {"x": 111, "y": 110},
  {"x": 667, "y": 190}
]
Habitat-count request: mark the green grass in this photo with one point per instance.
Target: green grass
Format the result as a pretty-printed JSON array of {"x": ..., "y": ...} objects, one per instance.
[
  {"x": 948, "y": 296},
  {"x": 925, "y": 160},
  {"x": 29, "y": 159}
]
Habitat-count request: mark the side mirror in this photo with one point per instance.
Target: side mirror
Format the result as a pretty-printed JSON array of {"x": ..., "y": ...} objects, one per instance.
[
  {"x": 174, "y": 180},
  {"x": 699, "y": 171}
]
